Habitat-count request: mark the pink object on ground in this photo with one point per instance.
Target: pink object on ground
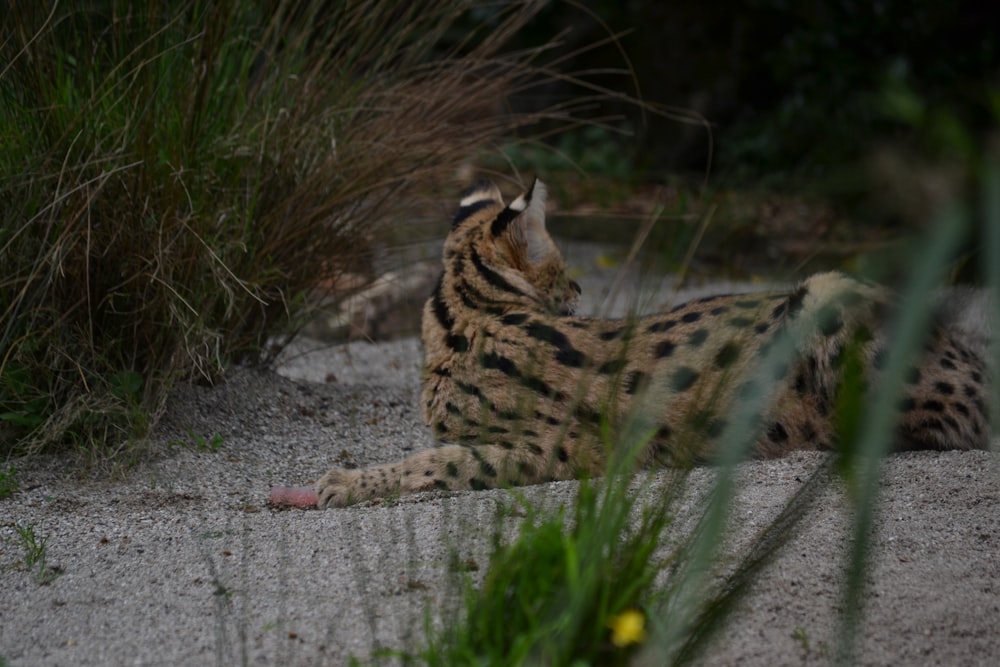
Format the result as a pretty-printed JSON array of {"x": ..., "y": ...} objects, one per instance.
[{"x": 296, "y": 496}]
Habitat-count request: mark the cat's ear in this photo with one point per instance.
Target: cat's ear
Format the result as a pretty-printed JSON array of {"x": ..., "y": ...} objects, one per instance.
[
  {"x": 479, "y": 195},
  {"x": 526, "y": 218}
]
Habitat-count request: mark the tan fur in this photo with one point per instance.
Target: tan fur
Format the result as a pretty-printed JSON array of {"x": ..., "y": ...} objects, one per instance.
[{"x": 523, "y": 390}]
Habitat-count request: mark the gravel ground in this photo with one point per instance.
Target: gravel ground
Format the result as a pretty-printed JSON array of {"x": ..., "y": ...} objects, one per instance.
[{"x": 178, "y": 560}]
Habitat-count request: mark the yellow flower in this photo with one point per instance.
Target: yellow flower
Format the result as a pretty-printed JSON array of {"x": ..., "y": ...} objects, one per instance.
[{"x": 628, "y": 627}]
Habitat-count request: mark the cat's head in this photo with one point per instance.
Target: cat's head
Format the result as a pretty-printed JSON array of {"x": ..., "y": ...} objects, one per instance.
[{"x": 511, "y": 257}]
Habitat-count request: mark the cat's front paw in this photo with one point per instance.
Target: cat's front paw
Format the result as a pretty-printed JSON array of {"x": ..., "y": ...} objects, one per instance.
[{"x": 336, "y": 489}]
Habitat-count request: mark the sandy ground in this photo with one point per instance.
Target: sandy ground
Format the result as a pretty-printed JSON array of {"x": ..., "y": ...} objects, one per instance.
[{"x": 179, "y": 561}]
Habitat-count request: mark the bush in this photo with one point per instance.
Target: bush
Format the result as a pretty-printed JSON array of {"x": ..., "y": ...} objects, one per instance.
[{"x": 178, "y": 175}]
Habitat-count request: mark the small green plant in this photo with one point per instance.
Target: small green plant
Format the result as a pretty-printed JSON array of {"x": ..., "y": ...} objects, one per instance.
[
  {"x": 8, "y": 482},
  {"x": 35, "y": 555},
  {"x": 562, "y": 596}
]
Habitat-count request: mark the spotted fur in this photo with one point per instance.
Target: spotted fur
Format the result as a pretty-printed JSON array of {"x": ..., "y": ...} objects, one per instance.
[{"x": 524, "y": 392}]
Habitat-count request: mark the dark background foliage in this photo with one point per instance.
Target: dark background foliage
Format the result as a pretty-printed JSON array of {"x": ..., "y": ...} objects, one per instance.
[{"x": 791, "y": 88}]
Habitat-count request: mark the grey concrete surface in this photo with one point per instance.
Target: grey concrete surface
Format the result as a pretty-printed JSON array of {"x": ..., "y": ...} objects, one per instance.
[{"x": 178, "y": 560}]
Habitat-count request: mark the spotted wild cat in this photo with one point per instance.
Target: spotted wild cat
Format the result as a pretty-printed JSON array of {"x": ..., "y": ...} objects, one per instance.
[{"x": 521, "y": 389}]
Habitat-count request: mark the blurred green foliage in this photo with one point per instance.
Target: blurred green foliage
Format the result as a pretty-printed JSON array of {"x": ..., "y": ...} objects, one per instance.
[{"x": 793, "y": 90}]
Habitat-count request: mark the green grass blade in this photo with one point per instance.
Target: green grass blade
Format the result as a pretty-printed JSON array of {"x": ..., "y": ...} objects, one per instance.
[{"x": 908, "y": 334}]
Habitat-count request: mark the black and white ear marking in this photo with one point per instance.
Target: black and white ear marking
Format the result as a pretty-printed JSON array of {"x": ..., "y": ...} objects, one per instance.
[
  {"x": 476, "y": 197},
  {"x": 527, "y": 214}
]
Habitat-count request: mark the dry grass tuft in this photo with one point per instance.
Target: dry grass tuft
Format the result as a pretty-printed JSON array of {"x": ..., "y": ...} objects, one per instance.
[{"x": 177, "y": 175}]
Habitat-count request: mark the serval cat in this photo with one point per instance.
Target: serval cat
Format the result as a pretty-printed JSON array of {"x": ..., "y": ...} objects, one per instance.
[{"x": 521, "y": 389}]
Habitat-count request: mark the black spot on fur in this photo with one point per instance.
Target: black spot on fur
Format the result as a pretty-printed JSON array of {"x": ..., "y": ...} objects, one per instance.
[
  {"x": 500, "y": 363},
  {"x": 439, "y": 307},
  {"x": 795, "y": 300},
  {"x": 561, "y": 454},
  {"x": 611, "y": 367},
  {"x": 514, "y": 318},
  {"x": 492, "y": 277},
  {"x": 718, "y": 310},
  {"x": 470, "y": 389},
  {"x": 944, "y": 388},
  {"x": 659, "y": 327},
  {"x": 586, "y": 415},
  {"x": 457, "y": 342},
  {"x": 727, "y": 355},
  {"x": 571, "y": 357},
  {"x": 635, "y": 381},
  {"x": 830, "y": 322},
  {"x": 664, "y": 349},
  {"x": 452, "y": 409},
  {"x": 697, "y": 337},
  {"x": 961, "y": 408},
  {"x": 761, "y": 327},
  {"x": 566, "y": 354},
  {"x": 691, "y": 317},
  {"x": 683, "y": 378},
  {"x": 610, "y": 334},
  {"x": 934, "y": 406},
  {"x": 948, "y": 364},
  {"x": 740, "y": 322},
  {"x": 540, "y": 386},
  {"x": 548, "y": 419},
  {"x": 477, "y": 484},
  {"x": 747, "y": 303},
  {"x": 800, "y": 384},
  {"x": 778, "y": 311},
  {"x": 547, "y": 333},
  {"x": 451, "y": 469}
]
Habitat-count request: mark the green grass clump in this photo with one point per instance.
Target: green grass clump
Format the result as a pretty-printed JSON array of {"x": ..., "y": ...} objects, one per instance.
[
  {"x": 561, "y": 596},
  {"x": 35, "y": 555},
  {"x": 178, "y": 176},
  {"x": 8, "y": 481}
]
